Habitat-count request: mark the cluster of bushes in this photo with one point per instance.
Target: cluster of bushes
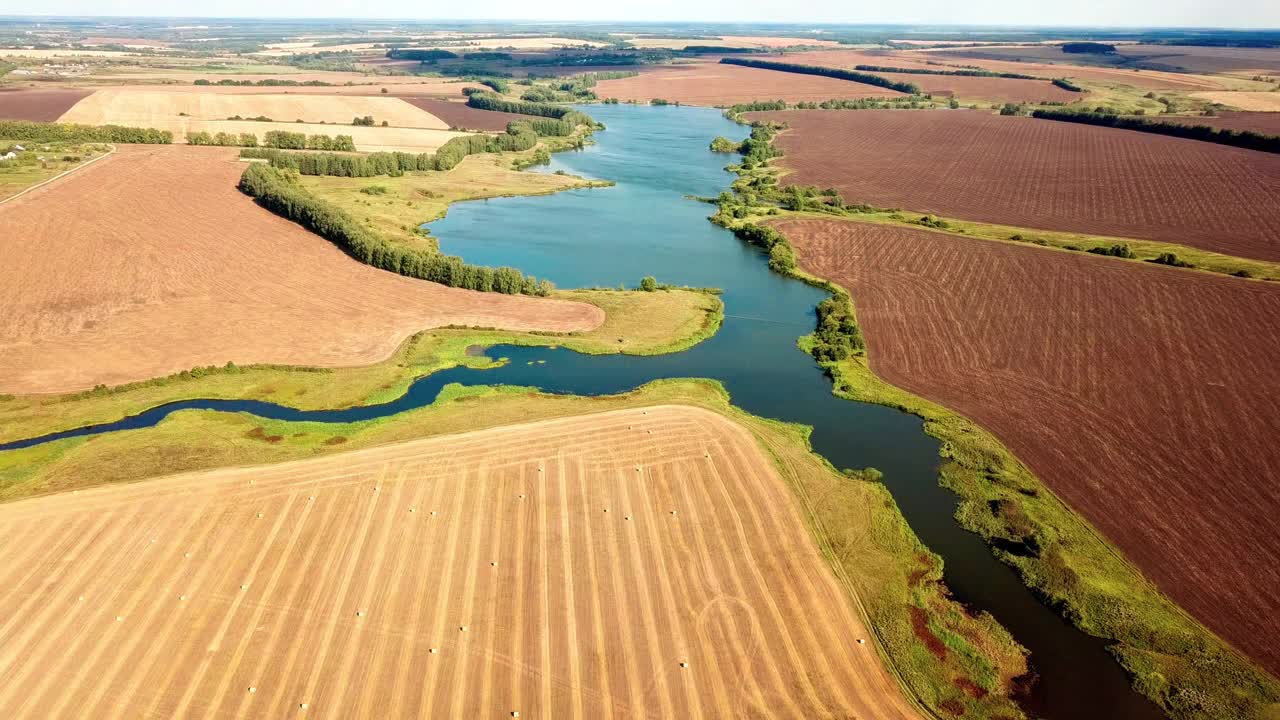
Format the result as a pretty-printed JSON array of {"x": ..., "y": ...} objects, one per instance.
[
  {"x": 1088, "y": 47},
  {"x": 837, "y": 73},
  {"x": 1067, "y": 85},
  {"x": 71, "y": 132},
  {"x": 962, "y": 73},
  {"x": 420, "y": 55},
  {"x": 782, "y": 259},
  {"x": 268, "y": 82},
  {"x": 759, "y": 147},
  {"x": 758, "y": 106},
  {"x": 285, "y": 140},
  {"x": 837, "y": 336},
  {"x": 725, "y": 145},
  {"x": 495, "y": 84},
  {"x": 1120, "y": 250},
  {"x": 1171, "y": 259},
  {"x": 366, "y": 121},
  {"x": 1237, "y": 138},
  {"x": 520, "y": 136},
  {"x": 226, "y": 139},
  {"x": 256, "y": 118},
  {"x": 279, "y": 192}
]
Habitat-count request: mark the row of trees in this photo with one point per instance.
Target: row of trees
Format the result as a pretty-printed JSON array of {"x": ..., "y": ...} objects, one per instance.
[
  {"x": 225, "y": 139},
  {"x": 520, "y": 136},
  {"x": 962, "y": 73},
  {"x": 285, "y": 140},
  {"x": 279, "y": 192},
  {"x": 838, "y": 73},
  {"x": 420, "y": 55},
  {"x": 266, "y": 82},
  {"x": 1066, "y": 84},
  {"x": 71, "y": 132},
  {"x": 1223, "y": 136},
  {"x": 491, "y": 101}
]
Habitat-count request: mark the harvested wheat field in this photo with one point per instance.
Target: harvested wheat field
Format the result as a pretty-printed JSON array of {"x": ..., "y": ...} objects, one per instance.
[
  {"x": 715, "y": 84},
  {"x": 637, "y": 563},
  {"x": 462, "y": 115},
  {"x": 1147, "y": 398},
  {"x": 1244, "y": 100},
  {"x": 1043, "y": 174},
  {"x": 38, "y": 104},
  {"x": 150, "y": 262},
  {"x": 130, "y": 106}
]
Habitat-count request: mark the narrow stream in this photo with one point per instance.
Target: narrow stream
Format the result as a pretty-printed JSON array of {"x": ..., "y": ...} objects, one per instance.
[{"x": 646, "y": 226}]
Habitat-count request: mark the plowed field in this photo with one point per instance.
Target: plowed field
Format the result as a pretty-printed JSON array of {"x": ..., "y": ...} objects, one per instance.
[
  {"x": 1041, "y": 174},
  {"x": 715, "y": 84},
  {"x": 150, "y": 262},
  {"x": 638, "y": 563},
  {"x": 461, "y": 115},
  {"x": 1147, "y": 398},
  {"x": 38, "y": 104}
]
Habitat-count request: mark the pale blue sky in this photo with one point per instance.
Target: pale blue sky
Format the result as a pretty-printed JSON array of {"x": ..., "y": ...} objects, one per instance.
[{"x": 1147, "y": 13}]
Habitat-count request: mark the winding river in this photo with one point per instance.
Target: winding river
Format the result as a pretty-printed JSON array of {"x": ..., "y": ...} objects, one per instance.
[{"x": 646, "y": 225}]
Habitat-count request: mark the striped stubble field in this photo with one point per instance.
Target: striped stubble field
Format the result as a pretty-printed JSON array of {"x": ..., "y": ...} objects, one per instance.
[{"x": 645, "y": 562}]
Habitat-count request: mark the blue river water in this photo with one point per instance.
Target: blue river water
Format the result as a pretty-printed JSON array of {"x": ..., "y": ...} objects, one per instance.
[{"x": 647, "y": 225}]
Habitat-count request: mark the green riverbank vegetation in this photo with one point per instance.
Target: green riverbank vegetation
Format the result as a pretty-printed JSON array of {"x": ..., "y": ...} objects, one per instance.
[{"x": 1171, "y": 658}]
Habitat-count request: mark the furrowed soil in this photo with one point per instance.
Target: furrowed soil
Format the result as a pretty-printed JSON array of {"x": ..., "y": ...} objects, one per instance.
[
  {"x": 462, "y": 115},
  {"x": 1147, "y": 398},
  {"x": 933, "y": 60},
  {"x": 38, "y": 104},
  {"x": 1044, "y": 174},
  {"x": 1266, "y": 123},
  {"x": 715, "y": 84},
  {"x": 645, "y": 562},
  {"x": 151, "y": 262}
]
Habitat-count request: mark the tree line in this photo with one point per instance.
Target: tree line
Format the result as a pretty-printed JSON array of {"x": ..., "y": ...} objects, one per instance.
[
  {"x": 959, "y": 73},
  {"x": 1237, "y": 138},
  {"x": 490, "y": 101},
  {"x": 72, "y": 132},
  {"x": 520, "y": 136},
  {"x": 279, "y": 192},
  {"x": 837, "y": 73},
  {"x": 267, "y": 82},
  {"x": 420, "y": 55},
  {"x": 1066, "y": 84}
]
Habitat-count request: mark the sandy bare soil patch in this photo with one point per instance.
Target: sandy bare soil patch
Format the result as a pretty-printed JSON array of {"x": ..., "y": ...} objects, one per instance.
[
  {"x": 1147, "y": 398},
  {"x": 134, "y": 106},
  {"x": 1041, "y": 174},
  {"x": 151, "y": 261},
  {"x": 716, "y": 84},
  {"x": 1255, "y": 101},
  {"x": 636, "y": 563},
  {"x": 461, "y": 115},
  {"x": 39, "y": 104}
]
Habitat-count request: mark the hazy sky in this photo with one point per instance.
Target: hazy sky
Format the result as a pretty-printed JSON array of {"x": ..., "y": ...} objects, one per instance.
[{"x": 1198, "y": 13}]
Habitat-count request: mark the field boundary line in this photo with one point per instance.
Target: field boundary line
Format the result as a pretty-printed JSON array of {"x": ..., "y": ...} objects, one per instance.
[{"x": 60, "y": 175}]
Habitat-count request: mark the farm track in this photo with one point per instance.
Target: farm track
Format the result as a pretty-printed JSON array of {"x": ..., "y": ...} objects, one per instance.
[
  {"x": 151, "y": 262},
  {"x": 1147, "y": 398},
  {"x": 564, "y": 568},
  {"x": 1042, "y": 174}
]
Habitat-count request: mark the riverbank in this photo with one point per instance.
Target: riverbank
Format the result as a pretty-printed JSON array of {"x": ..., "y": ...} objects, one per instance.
[{"x": 1170, "y": 657}]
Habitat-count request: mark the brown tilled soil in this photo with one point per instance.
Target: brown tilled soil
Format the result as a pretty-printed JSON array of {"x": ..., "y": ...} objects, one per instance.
[
  {"x": 932, "y": 60},
  {"x": 462, "y": 115},
  {"x": 716, "y": 84},
  {"x": 1041, "y": 174},
  {"x": 38, "y": 104},
  {"x": 1147, "y": 398},
  {"x": 639, "y": 563},
  {"x": 150, "y": 262},
  {"x": 987, "y": 88},
  {"x": 1179, "y": 58}
]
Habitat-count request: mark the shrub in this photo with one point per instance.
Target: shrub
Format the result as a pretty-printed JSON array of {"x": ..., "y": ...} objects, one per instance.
[
  {"x": 366, "y": 121},
  {"x": 648, "y": 283},
  {"x": 1120, "y": 250},
  {"x": 1168, "y": 258}
]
